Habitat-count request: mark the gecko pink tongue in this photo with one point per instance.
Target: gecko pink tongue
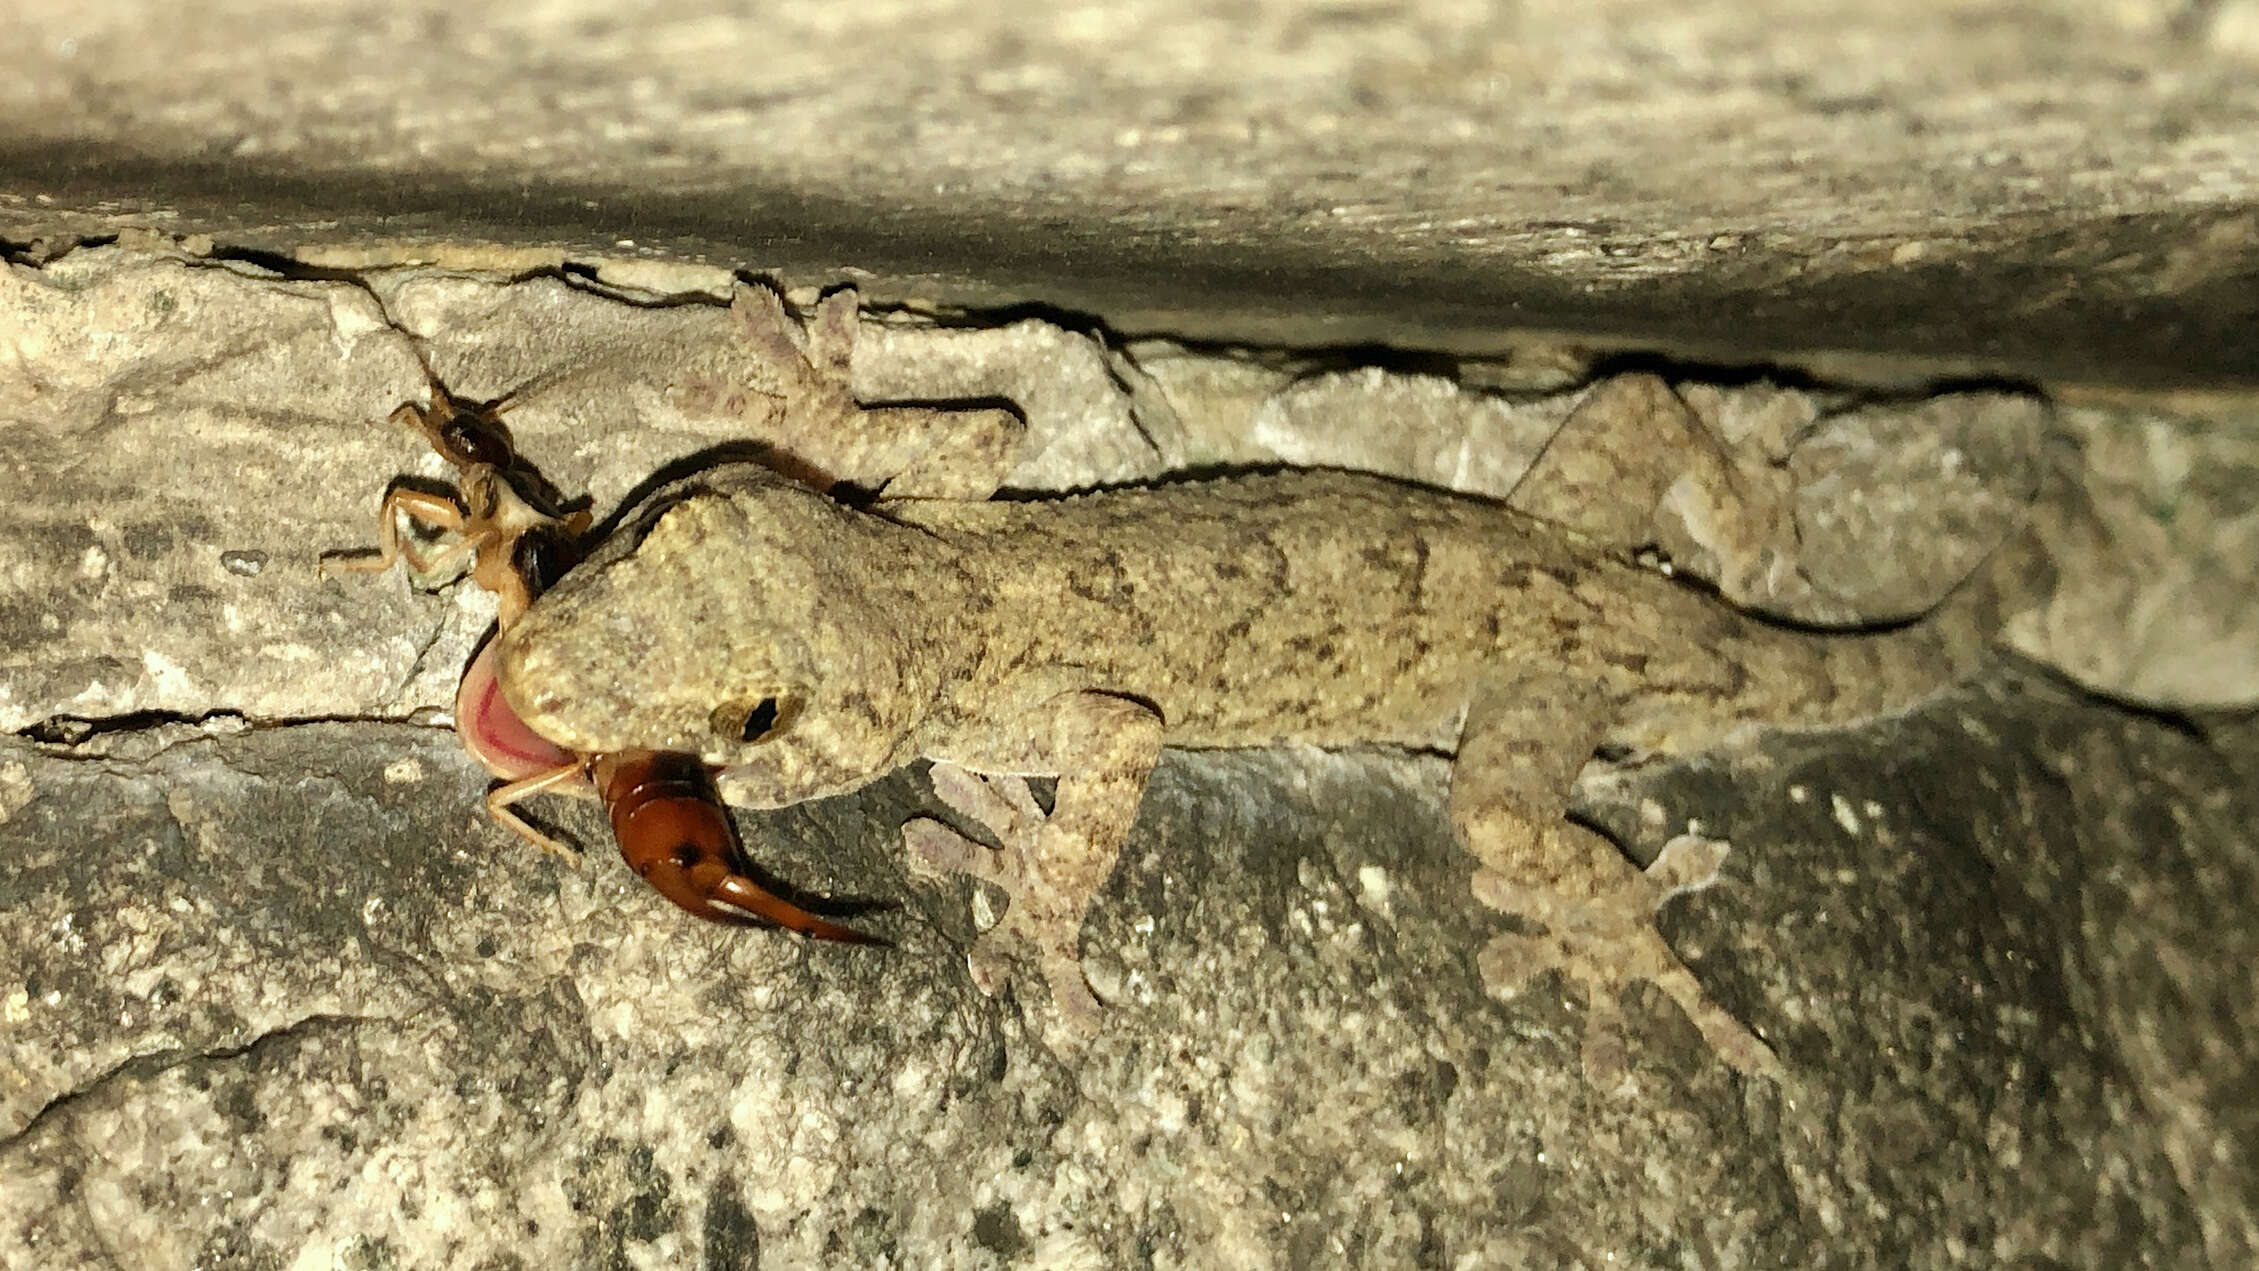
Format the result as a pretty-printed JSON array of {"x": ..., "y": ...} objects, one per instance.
[{"x": 493, "y": 733}]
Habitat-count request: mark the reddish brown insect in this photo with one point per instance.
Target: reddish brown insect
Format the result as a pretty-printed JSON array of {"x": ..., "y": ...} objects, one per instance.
[
  {"x": 686, "y": 846},
  {"x": 512, "y": 526}
]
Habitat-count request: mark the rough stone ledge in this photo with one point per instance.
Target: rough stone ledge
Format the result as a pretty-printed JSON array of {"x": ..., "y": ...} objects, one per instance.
[{"x": 1985, "y": 962}]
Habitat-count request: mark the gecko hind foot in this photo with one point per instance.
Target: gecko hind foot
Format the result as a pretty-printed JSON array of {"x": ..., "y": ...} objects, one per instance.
[
  {"x": 1604, "y": 946},
  {"x": 1044, "y": 904}
]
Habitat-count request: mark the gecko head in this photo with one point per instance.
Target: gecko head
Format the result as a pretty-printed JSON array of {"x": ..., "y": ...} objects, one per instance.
[{"x": 738, "y": 617}]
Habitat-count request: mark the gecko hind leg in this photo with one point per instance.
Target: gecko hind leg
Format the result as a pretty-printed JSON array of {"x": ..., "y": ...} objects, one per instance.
[
  {"x": 1509, "y": 797},
  {"x": 1603, "y": 947},
  {"x": 1634, "y": 464}
]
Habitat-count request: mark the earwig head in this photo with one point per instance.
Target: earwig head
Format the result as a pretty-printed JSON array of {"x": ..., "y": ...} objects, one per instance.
[
  {"x": 468, "y": 437},
  {"x": 737, "y": 617},
  {"x": 462, "y": 433},
  {"x": 473, "y": 437}
]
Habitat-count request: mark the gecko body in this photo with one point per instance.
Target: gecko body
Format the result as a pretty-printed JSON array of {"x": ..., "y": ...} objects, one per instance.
[
  {"x": 1324, "y": 608},
  {"x": 807, "y": 647}
]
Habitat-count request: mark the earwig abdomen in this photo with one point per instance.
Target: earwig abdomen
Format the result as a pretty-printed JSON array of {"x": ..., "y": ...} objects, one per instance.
[{"x": 674, "y": 832}]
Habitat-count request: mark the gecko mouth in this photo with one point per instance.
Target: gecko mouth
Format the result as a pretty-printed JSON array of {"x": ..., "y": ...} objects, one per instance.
[{"x": 495, "y": 734}]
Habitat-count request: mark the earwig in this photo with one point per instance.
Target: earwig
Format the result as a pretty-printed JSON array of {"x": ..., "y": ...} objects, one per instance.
[
  {"x": 674, "y": 831},
  {"x": 518, "y": 537}
]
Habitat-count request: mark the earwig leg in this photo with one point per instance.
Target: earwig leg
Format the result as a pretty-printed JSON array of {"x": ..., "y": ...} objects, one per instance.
[
  {"x": 434, "y": 510},
  {"x": 512, "y": 597},
  {"x": 421, "y": 418},
  {"x": 499, "y": 799}
]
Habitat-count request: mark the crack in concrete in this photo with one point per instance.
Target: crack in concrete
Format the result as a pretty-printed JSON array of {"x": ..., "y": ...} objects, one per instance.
[
  {"x": 39, "y": 252},
  {"x": 131, "y": 744},
  {"x": 442, "y": 621},
  {"x": 81, "y": 730},
  {"x": 217, "y": 720},
  {"x": 152, "y": 1064}
]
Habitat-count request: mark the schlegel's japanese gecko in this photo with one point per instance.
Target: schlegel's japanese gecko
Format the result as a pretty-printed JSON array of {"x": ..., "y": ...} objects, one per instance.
[{"x": 808, "y": 647}]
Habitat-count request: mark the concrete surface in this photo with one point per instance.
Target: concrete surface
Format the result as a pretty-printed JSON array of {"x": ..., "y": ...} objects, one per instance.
[
  {"x": 2041, "y": 187},
  {"x": 276, "y": 995}
]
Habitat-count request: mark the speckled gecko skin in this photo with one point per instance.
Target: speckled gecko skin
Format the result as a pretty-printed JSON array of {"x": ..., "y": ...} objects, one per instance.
[{"x": 809, "y": 647}]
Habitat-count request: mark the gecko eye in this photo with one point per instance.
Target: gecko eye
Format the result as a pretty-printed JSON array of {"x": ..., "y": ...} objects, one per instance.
[{"x": 751, "y": 721}]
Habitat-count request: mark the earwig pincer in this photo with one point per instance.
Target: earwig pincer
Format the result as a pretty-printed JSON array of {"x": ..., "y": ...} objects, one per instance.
[{"x": 517, "y": 537}]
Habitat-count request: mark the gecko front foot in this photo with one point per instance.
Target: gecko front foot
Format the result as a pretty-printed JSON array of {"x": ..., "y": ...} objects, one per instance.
[
  {"x": 1603, "y": 945},
  {"x": 1047, "y": 887},
  {"x": 797, "y": 398}
]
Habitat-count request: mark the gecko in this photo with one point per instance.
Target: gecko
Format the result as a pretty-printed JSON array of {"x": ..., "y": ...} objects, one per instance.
[{"x": 807, "y": 645}]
